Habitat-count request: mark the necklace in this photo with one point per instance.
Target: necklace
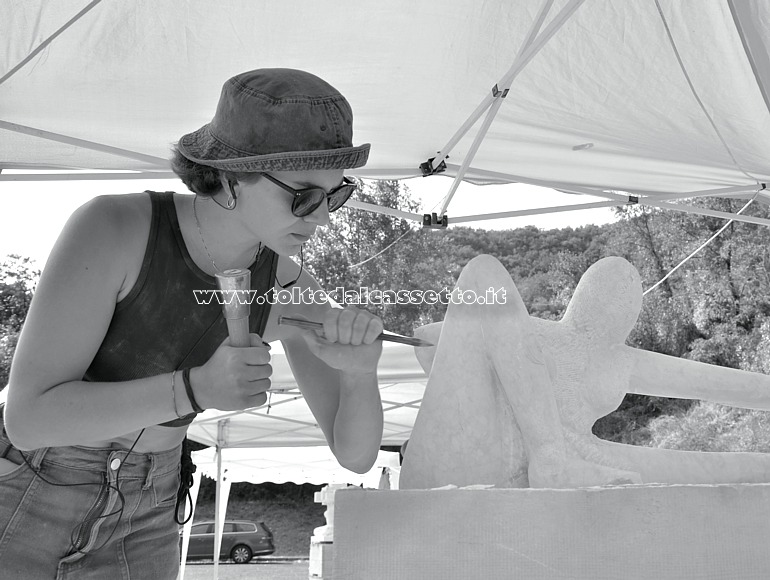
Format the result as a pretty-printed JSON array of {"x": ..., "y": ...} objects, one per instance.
[
  {"x": 200, "y": 233},
  {"x": 203, "y": 241}
]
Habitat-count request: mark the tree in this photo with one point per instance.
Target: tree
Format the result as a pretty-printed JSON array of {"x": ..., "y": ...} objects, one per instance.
[
  {"x": 376, "y": 252},
  {"x": 18, "y": 278}
]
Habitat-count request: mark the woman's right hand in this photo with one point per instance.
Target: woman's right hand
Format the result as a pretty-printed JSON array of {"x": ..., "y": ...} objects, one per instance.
[{"x": 234, "y": 378}]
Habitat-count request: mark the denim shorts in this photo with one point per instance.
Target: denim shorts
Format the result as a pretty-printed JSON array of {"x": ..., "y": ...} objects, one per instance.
[{"x": 82, "y": 527}]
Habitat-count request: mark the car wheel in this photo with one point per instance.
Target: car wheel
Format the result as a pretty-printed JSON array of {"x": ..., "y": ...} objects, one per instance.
[{"x": 241, "y": 554}]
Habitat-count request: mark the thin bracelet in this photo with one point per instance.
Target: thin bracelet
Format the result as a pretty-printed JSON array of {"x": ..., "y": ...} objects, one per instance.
[
  {"x": 188, "y": 389},
  {"x": 173, "y": 394}
]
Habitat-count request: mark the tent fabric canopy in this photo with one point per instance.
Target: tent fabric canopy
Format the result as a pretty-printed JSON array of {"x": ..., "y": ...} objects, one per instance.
[
  {"x": 647, "y": 97},
  {"x": 650, "y": 97}
]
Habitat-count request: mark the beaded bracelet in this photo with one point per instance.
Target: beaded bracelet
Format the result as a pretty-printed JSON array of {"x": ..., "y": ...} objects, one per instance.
[{"x": 188, "y": 389}]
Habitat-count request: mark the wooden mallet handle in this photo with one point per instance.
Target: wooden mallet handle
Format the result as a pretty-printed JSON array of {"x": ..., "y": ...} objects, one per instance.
[{"x": 235, "y": 285}]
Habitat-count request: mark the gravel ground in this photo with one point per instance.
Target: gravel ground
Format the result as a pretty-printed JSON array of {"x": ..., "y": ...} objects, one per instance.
[{"x": 254, "y": 570}]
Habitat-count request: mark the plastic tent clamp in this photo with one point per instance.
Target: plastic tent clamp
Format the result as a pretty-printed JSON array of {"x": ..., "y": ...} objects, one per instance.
[{"x": 635, "y": 102}]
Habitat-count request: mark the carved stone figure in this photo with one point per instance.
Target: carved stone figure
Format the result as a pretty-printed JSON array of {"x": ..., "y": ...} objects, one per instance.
[{"x": 511, "y": 399}]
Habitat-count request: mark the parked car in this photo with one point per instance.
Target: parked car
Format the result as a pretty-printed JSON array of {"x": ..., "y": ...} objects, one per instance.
[{"x": 241, "y": 540}]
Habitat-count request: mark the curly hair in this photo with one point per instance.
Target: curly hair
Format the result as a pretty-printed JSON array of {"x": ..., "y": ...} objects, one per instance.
[{"x": 202, "y": 179}]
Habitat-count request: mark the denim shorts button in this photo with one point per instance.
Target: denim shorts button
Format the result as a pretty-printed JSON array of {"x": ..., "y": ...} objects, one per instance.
[{"x": 114, "y": 464}]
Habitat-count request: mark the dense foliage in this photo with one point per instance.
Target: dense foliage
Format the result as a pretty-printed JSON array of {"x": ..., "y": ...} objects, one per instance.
[
  {"x": 17, "y": 282},
  {"x": 715, "y": 309}
]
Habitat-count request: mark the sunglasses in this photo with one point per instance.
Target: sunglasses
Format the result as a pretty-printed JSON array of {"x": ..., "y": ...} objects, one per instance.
[{"x": 306, "y": 201}]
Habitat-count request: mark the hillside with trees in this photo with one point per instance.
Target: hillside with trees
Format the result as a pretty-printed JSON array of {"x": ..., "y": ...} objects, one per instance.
[
  {"x": 715, "y": 309},
  {"x": 18, "y": 278}
]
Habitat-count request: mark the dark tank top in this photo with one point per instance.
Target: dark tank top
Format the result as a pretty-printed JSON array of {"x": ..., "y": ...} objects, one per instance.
[{"x": 159, "y": 326}]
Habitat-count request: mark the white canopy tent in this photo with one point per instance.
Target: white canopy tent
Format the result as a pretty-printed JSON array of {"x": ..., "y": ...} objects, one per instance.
[
  {"x": 654, "y": 98},
  {"x": 643, "y": 101}
]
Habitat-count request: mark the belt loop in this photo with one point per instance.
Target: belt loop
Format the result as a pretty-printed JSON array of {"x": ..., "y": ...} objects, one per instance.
[{"x": 37, "y": 457}]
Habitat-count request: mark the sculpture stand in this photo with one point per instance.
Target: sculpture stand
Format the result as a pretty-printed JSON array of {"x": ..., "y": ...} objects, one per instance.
[
  {"x": 510, "y": 403},
  {"x": 645, "y": 532},
  {"x": 322, "y": 541}
]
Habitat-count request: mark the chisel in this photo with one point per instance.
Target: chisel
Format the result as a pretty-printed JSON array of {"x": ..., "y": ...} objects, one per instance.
[{"x": 385, "y": 337}]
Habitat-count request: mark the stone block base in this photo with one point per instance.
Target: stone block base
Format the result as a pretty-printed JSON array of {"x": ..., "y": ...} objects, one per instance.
[{"x": 645, "y": 532}]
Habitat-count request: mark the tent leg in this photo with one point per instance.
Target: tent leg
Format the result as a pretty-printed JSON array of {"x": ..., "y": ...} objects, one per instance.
[
  {"x": 220, "y": 507},
  {"x": 217, "y": 520}
]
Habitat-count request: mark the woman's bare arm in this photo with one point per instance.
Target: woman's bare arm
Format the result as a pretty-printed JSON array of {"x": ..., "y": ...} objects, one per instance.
[
  {"x": 48, "y": 402},
  {"x": 345, "y": 401}
]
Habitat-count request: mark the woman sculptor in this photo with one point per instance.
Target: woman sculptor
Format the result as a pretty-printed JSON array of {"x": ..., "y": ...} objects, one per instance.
[{"x": 116, "y": 355}]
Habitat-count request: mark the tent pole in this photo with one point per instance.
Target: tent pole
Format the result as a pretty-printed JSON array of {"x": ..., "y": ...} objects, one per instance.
[
  {"x": 157, "y": 161},
  {"x": 484, "y": 105},
  {"x": 652, "y": 201},
  {"x": 497, "y": 177},
  {"x": 507, "y": 178},
  {"x": 235, "y": 443},
  {"x": 88, "y": 176},
  {"x": 617, "y": 199},
  {"x": 48, "y": 41},
  {"x": 726, "y": 191},
  {"x": 708, "y": 212},
  {"x": 221, "y": 442},
  {"x": 751, "y": 38},
  {"x": 520, "y": 62},
  {"x": 644, "y": 197},
  {"x": 482, "y": 132},
  {"x": 537, "y": 211},
  {"x": 384, "y": 210},
  {"x": 499, "y": 95},
  {"x": 217, "y": 521},
  {"x": 224, "y": 496}
]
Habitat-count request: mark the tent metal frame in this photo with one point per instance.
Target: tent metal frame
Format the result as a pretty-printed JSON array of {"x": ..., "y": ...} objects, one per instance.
[
  {"x": 494, "y": 99},
  {"x": 87, "y": 176},
  {"x": 159, "y": 162},
  {"x": 303, "y": 429},
  {"x": 488, "y": 108},
  {"x": 40, "y": 47}
]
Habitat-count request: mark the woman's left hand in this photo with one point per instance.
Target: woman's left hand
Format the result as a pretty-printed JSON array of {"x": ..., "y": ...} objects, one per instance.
[{"x": 349, "y": 342}]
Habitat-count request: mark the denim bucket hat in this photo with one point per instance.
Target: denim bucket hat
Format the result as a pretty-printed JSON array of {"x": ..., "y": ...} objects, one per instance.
[{"x": 277, "y": 119}]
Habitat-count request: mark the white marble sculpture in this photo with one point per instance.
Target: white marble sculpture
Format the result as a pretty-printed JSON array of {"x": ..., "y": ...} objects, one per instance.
[{"x": 511, "y": 399}]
